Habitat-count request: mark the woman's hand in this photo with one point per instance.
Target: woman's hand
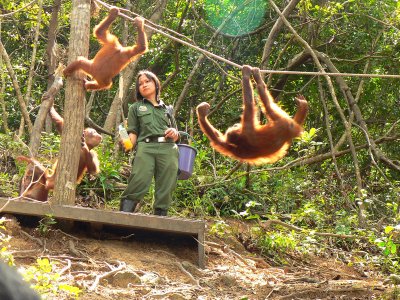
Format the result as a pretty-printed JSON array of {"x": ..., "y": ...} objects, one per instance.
[
  {"x": 172, "y": 133},
  {"x": 128, "y": 145}
]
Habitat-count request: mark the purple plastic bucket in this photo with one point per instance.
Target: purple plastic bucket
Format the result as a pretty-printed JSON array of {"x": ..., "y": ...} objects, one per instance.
[{"x": 187, "y": 154}]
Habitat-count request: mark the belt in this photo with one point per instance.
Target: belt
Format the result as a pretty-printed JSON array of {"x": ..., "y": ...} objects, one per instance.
[{"x": 156, "y": 139}]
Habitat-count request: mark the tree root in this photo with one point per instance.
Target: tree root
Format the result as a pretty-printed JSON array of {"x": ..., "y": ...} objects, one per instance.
[
  {"x": 96, "y": 282},
  {"x": 39, "y": 241},
  {"x": 75, "y": 251},
  {"x": 66, "y": 268},
  {"x": 188, "y": 274}
]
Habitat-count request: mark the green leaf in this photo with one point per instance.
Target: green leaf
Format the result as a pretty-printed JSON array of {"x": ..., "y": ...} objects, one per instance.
[
  {"x": 393, "y": 249},
  {"x": 388, "y": 229}
]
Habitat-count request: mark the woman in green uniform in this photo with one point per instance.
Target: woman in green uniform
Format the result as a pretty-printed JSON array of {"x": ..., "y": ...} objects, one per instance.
[{"x": 156, "y": 153}]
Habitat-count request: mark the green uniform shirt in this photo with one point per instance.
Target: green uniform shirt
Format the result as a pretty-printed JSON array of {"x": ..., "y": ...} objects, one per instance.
[{"x": 147, "y": 120}]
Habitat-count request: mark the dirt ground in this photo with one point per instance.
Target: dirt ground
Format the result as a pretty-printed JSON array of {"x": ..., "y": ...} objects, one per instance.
[{"x": 129, "y": 265}]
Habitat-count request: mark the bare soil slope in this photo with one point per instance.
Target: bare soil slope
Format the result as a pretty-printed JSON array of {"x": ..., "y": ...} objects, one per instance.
[{"x": 151, "y": 266}]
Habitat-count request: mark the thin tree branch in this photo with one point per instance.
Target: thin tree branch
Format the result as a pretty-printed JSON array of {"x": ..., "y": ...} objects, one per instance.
[
  {"x": 15, "y": 83},
  {"x": 32, "y": 65},
  {"x": 274, "y": 32},
  {"x": 2, "y": 89},
  {"x": 18, "y": 10}
]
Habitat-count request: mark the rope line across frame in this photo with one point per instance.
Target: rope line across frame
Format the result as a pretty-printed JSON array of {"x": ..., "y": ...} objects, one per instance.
[{"x": 207, "y": 53}]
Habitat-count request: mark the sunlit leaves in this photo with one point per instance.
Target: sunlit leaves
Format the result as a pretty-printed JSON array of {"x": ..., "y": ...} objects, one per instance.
[
  {"x": 235, "y": 16},
  {"x": 47, "y": 281}
]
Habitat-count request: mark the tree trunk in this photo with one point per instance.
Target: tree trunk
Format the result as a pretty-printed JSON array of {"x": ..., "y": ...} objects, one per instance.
[
  {"x": 51, "y": 57},
  {"x": 74, "y": 110},
  {"x": 47, "y": 103}
]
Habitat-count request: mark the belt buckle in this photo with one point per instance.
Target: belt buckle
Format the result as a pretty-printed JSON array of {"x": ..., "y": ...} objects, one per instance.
[{"x": 161, "y": 139}]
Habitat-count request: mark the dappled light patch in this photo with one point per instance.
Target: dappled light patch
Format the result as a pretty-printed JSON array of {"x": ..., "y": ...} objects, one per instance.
[{"x": 235, "y": 17}]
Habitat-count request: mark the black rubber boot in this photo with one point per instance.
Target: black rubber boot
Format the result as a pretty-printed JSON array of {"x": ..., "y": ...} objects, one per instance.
[
  {"x": 127, "y": 205},
  {"x": 160, "y": 212}
]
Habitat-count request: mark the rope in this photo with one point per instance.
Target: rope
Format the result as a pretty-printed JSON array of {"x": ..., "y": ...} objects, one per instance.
[
  {"x": 267, "y": 71},
  {"x": 175, "y": 39}
]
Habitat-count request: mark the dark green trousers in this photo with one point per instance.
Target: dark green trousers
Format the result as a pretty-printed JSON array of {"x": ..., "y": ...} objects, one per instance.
[{"x": 158, "y": 160}]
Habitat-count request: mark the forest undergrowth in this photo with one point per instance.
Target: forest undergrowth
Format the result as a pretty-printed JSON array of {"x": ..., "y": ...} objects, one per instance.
[{"x": 297, "y": 230}]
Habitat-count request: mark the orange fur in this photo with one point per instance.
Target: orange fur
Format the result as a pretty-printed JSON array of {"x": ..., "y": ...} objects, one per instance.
[
  {"x": 33, "y": 184},
  {"x": 37, "y": 180},
  {"x": 250, "y": 141},
  {"x": 112, "y": 57}
]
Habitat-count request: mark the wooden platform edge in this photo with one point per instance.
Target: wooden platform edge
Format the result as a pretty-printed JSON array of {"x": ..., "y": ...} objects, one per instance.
[{"x": 117, "y": 218}]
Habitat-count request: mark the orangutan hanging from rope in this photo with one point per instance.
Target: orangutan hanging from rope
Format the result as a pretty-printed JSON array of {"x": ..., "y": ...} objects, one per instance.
[{"x": 249, "y": 141}]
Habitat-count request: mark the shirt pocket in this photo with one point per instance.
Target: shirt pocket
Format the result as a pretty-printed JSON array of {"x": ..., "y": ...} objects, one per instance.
[{"x": 145, "y": 117}]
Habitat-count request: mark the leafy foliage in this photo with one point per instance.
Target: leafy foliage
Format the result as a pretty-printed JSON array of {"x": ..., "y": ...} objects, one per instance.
[
  {"x": 47, "y": 282},
  {"x": 235, "y": 17},
  {"x": 5, "y": 254},
  {"x": 42, "y": 276},
  {"x": 45, "y": 224}
]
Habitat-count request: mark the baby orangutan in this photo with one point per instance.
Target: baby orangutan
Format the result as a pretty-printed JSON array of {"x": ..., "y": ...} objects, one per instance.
[
  {"x": 38, "y": 180},
  {"x": 250, "y": 141},
  {"x": 33, "y": 184},
  {"x": 112, "y": 57}
]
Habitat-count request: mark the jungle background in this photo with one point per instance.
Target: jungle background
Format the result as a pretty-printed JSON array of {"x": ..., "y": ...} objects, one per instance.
[{"x": 327, "y": 211}]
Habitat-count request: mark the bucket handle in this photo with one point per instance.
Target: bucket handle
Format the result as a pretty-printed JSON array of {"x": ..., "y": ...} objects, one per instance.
[{"x": 183, "y": 133}]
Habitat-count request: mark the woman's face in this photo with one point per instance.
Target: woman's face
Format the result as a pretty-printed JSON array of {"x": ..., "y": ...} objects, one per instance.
[{"x": 147, "y": 87}]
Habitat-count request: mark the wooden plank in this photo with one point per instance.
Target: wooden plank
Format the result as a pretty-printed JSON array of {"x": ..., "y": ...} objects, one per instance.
[
  {"x": 200, "y": 247},
  {"x": 117, "y": 218},
  {"x": 67, "y": 212}
]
